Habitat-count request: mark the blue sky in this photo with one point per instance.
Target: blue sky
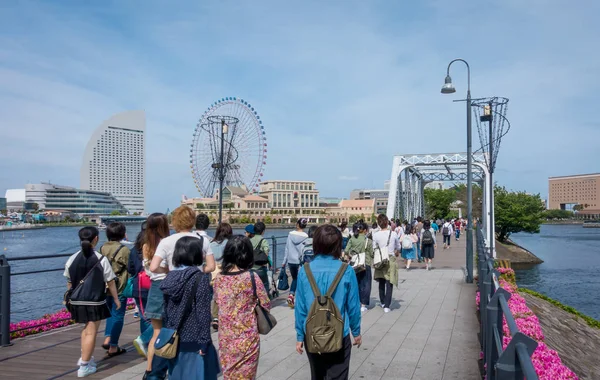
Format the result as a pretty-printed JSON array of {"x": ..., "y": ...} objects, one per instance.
[{"x": 341, "y": 86}]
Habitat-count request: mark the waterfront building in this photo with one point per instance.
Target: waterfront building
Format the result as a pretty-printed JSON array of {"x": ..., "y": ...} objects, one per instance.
[
  {"x": 3, "y": 207},
  {"x": 350, "y": 210},
  {"x": 82, "y": 202},
  {"x": 380, "y": 196},
  {"x": 114, "y": 160},
  {"x": 579, "y": 193},
  {"x": 36, "y": 193},
  {"x": 15, "y": 198},
  {"x": 329, "y": 201},
  {"x": 291, "y": 196}
]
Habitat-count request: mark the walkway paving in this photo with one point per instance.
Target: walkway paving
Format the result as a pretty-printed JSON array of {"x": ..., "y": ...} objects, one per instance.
[{"x": 430, "y": 334}]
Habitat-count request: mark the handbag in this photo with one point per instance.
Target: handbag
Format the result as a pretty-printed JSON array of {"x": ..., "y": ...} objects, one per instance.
[
  {"x": 144, "y": 280},
  {"x": 358, "y": 261},
  {"x": 282, "y": 280},
  {"x": 380, "y": 260},
  {"x": 167, "y": 342},
  {"x": 128, "y": 291},
  {"x": 265, "y": 320},
  {"x": 69, "y": 293}
]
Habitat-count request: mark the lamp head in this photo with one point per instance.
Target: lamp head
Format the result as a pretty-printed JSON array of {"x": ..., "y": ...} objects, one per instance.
[{"x": 448, "y": 87}]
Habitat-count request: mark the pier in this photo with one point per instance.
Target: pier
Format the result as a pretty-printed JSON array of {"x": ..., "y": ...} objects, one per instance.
[{"x": 431, "y": 333}]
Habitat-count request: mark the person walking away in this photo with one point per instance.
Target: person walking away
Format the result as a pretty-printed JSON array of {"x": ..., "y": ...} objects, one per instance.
[
  {"x": 320, "y": 275},
  {"x": 387, "y": 241},
  {"x": 345, "y": 234},
  {"x": 418, "y": 228},
  {"x": 187, "y": 310},
  {"x": 359, "y": 243},
  {"x": 222, "y": 235},
  {"x": 239, "y": 342},
  {"x": 262, "y": 261},
  {"x": 118, "y": 256},
  {"x": 308, "y": 253},
  {"x": 88, "y": 274},
  {"x": 457, "y": 227},
  {"x": 408, "y": 242},
  {"x": 435, "y": 227},
  {"x": 135, "y": 268},
  {"x": 293, "y": 254},
  {"x": 446, "y": 233},
  {"x": 428, "y": 244},
  {"x": 157, "y": 228},
  {"x": 184, "y": 220},
  {"x": 202, "y": 224}
]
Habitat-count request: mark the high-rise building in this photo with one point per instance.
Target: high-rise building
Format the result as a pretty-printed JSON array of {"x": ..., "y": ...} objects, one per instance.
[
  {"x": 115, "y": 160},
  {"x": 565, "y": 193}
]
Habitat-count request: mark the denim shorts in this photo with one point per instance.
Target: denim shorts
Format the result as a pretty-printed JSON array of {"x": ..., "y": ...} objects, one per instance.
[{"x": 155, "y": 304}]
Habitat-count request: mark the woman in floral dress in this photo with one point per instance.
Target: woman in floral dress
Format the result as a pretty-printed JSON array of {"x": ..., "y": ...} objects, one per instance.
[{"x": 239, "y": 342}]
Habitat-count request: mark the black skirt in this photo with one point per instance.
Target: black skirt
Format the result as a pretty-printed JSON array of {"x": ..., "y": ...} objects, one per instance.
[
  {"x": 428, "y": 251},
  {"x": 85, "y": 314}
]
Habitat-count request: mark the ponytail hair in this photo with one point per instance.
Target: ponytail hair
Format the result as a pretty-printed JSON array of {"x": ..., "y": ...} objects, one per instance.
[
  {"x": 87, "y": 236},
  {"x": 355, "y": 228}
]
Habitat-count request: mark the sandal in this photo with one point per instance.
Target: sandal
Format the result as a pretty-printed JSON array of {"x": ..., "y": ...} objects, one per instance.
[
  {"x": 106, "y": 346},
  {"x": 120, "y": 351}
]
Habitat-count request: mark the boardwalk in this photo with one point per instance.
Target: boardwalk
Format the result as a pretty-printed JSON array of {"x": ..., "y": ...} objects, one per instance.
[{"x": 430, "y": 334}]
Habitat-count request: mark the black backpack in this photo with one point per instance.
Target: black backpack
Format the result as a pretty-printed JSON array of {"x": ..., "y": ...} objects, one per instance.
[
  {"x": 260, "y": 257},
  {"x": 427, "y": 237}
]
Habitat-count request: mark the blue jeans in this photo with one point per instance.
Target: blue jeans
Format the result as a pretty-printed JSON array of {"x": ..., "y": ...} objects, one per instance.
[
  {"x": 114, "y": 324},
  {"x": 419, "y": 250},
  {"x": 457, "y": 234},
  {"x": 146, "y": 329},
  {"x": 294, "y": 272}
]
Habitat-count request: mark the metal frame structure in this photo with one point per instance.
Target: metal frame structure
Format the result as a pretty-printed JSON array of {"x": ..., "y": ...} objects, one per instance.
[{"x": 410, "y": 174}]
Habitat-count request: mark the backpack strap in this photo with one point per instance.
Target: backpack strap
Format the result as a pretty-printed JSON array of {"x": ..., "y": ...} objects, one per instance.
[
  {"x": 337, "y": 280},
  {"x": 311, "y": 281}
]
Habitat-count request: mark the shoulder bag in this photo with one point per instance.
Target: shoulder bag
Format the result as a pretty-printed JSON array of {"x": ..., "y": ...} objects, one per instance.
[
  {"x": 265, "y": 320},
  {"x": 167, "y": 342},
  {"x": 69, "y": 293},
  {"x": 380, "y": 260},
  {"x": 358, "y": 260}
]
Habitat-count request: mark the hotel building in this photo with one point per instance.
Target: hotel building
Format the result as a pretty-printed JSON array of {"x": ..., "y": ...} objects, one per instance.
[
  {"x": 291, "y": 195},
  {"x": 114, "y": 160},
  {"x": 564, "y": 193}
]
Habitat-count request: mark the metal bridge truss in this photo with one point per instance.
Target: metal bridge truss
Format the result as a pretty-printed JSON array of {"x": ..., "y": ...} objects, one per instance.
[{"x": 410, "y": 174}]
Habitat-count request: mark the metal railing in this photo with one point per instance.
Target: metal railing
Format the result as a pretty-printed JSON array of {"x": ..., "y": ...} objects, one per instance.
[
  {"x": 277, "y": 242},
  {"x": 515, "y": 361}
]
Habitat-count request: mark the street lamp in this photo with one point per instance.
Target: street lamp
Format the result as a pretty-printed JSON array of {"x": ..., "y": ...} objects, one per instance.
[
  {"x": 448, "y": 88},
  {"x": 224, "y": 130}
]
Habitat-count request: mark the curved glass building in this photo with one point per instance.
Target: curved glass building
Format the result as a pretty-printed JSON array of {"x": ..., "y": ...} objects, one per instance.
[{"x": 114, "y": 160}]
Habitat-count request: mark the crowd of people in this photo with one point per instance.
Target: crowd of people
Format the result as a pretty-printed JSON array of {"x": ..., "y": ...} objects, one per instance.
[{"x": 185, "y": 283}]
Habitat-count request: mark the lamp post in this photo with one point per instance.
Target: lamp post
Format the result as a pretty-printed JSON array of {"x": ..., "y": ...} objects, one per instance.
[
  {"x": 224, "y": 130},
  {"x": 448, "y": 88}
]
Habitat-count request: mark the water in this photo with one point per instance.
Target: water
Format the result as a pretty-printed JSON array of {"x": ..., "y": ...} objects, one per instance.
[
  {"x": 34, "y": 295},
  {"x": 571, "y": 265}
]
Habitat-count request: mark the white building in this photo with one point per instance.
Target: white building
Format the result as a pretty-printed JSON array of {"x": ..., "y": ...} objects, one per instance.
[
  {"x": 15, "y": 198},
  {"x": 114, "y": 160}
]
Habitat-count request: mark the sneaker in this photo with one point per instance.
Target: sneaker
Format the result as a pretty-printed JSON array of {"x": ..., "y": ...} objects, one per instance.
[
  {"x": 140, "y": 347},
  {"x": 215, "y": 324},
  {"x": 379, "y": 304},
  {"x": 91, "y": 363},
  {"x": 136, "y": 315},
  {"x": 363, "y": 309},
  {"x": 290, "y": 301},
  {"x": 427, "y": 266},
  {"x": 386, "y": 310},
  {"x": 86, "y": 370},
  {"x": 407, "y": 269}
]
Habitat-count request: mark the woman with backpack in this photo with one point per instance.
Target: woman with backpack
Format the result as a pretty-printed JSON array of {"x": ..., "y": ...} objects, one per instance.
[
  {"x": 88, "y": 275},
  {"x": 359, "y": 244},
  {"x": 187, "y": 310},
  {"x": 293, "y": 253},
  {"x": 239, "y": 342},
  {"x": 141, "y": 282},
  {"x": 386, "y": 248},
  {"x": 428, "y": 243},
  {"x": 409, "y": 241},
  {"x": 325, "y": 328}
]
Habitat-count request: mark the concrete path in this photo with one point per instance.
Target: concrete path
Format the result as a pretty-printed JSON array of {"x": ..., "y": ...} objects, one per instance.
[{"x": 430, "y": 334}]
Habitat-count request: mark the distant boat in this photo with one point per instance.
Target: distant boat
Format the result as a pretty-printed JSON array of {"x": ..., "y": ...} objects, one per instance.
[
  {"x": 102, "y": 227},
  {"x": 591, "y": 224}
]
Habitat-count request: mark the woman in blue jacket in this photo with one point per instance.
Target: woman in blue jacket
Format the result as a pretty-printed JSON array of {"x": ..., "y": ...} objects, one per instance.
[{"x": 327, "y": 246}]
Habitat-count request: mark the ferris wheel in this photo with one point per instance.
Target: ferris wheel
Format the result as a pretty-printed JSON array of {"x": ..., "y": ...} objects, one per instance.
[{"x": 241, "y": 151}]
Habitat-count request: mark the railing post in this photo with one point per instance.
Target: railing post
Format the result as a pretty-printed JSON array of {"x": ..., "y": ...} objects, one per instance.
[
  {"x": 493, "y": 329},
  {"x": 485, "y": 293},
  {"x": 515, "y": 361},
  {"x": 274, "y": 250},
  {"x": 4, "y": 302}
]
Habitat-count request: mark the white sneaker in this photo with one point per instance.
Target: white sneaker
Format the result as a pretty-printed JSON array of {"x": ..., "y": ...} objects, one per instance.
[
  {"x": 91, "y": 363},
  {"x": 86, "y": 370},
  {"x": 386, "y": 310},
  {"x": 363, "y": 309},
  {"x": 140, "y": 347}
]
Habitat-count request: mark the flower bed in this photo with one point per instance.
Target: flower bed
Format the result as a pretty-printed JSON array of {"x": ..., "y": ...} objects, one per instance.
[
  {"x": 47, "y": 322},
  {"x": 546, "y": 361}
]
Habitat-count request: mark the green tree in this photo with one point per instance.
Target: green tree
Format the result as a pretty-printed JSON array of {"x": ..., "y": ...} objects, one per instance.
[
  {"x": 115, "y": 213},
  {"x": 268, "y": 220},
  {"x": 438, "y": 201},
  {"x": 244, "y": 220},
  {"x": 557, "y": 214},
  {"x": 199, "y": 206},
  {"x": 477, "y": 197},
  {"x": 516, "y": 212}
]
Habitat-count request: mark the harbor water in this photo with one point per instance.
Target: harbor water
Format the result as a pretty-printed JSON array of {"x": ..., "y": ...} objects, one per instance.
[
  {"x": 571, "y": 265},
  {"x": 33, "y": 295}
]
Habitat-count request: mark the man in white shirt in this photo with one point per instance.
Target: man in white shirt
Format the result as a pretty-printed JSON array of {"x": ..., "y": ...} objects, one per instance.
[
  {"x": 387, "y": 241},
  {"x": 446, "y": 233}
]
